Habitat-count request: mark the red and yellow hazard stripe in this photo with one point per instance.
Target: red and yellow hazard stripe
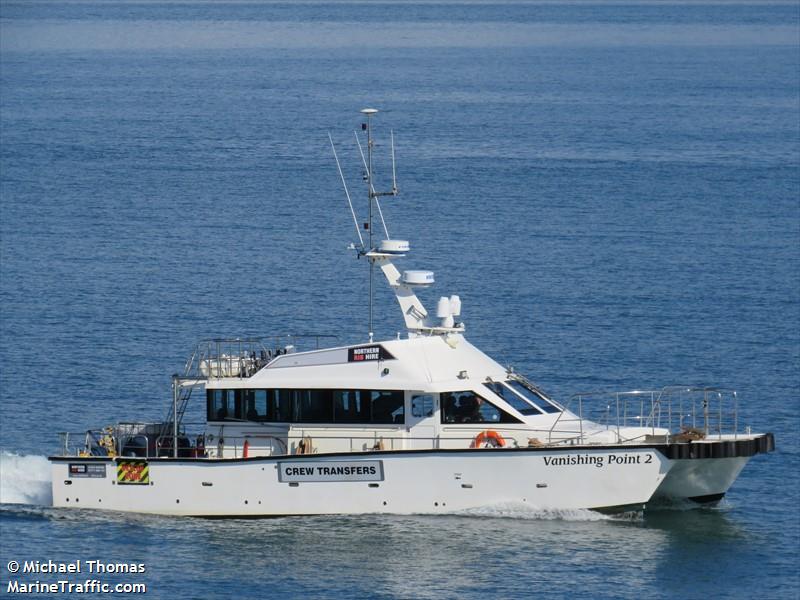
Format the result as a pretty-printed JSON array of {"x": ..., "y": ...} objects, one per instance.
[{"x": 135, "y": 472}]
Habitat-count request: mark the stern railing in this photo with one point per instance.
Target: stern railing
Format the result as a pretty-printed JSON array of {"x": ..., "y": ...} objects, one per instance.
[{"x": 242, "y": 357}]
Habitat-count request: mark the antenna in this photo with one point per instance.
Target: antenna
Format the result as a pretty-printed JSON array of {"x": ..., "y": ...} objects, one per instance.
[
  {"x": 394, "y": 173},
  {"x": 372, "y": 192},
  {"x": 368, "y": 249},
  {"x": 364, "y": 162},
  {"x": 404, "y": 284},
  {"x": 346, "y": 193}
]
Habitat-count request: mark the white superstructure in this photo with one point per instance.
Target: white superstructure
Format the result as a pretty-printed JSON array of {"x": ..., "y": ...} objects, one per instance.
[{"x": 425, "y": 423}]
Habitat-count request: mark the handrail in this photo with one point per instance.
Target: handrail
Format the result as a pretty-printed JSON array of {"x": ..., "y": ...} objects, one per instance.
[
  {"x": 136, "y": 444},
  {"x": 672, "y": 411},
  {"x": 242, "y": 357},
  {"x": 674, "y": 407},
  {"x": 239, "y": 357}
]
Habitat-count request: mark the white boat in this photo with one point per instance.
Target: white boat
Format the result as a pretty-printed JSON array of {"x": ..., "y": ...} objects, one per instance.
[{"x": 425, "y": 423}]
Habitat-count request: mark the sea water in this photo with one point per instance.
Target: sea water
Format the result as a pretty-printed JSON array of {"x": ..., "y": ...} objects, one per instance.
[{"x": 611, "y": 188}]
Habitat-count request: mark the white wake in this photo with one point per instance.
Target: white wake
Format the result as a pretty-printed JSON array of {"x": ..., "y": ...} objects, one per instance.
[
  {"x": 25, "y": 479},
  {"x": 513, "y": 510}
]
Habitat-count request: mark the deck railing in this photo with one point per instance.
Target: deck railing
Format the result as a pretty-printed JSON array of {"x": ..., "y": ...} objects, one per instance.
[
  {"x": 145, "y": 442},
  {"x": 681, "y": 410},
  {"x": 674, "y": 413},
  {"x": 242, "y": 357}
]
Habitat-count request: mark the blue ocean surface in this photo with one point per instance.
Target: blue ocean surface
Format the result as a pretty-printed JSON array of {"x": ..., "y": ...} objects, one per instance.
[{"x": 613, "y": 189}]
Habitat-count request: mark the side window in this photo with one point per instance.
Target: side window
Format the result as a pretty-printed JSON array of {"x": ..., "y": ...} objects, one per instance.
[
  {"x": 215, "y": 405},
  {"x": 255, "y": 405},
  {"x": 313, "y": 406},
  {"x": 469, "y": 407},
  {"x": 233, "y": 404},
  {"x": 422, "y": 406},
  {"x": 322, "y": 405},
  {"x": 387, "y": 406},
  {"x": 310, "y": 406},
  {"x": 351, "y": 406},
  {"x": 280, "y": 406},
  {"x": 222, "y": 404}
]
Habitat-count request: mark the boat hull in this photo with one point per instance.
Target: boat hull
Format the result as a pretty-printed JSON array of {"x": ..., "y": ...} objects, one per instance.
[
  {"x": 402, "y": 482},
  {"x": 702, "y": 481},
  {"x": 702, "y": 472},
  {"x": 607, "y": 478}
]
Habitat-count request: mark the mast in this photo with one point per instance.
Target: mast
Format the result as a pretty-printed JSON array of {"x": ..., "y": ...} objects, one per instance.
[
  {"x": 404, "y": 284},
  {"x": 374, "y": 198},
  {"x": 368, "y": 112}
]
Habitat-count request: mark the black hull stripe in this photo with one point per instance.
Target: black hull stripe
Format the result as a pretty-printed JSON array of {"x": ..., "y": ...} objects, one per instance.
[{"x": 676, "y": 451}]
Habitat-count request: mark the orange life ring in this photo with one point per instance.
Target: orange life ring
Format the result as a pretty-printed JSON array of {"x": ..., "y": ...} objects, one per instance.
[{"x": 490, "y": 436}]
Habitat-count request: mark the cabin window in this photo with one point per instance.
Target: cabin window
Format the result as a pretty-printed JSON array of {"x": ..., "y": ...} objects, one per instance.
[
  {"x": 469, "y": 407},
  {"x": 223, "y": 404},
  {"x": 422, "y": 406},
  {"x": 351, "y": 406},
  {"x": 281, "y": 407},
  {"x": 255, "y": 405},
  {"x": 387, "y": 406},
  {"x": 313, "y": 406},
  {"x": 307, "y": 406}
]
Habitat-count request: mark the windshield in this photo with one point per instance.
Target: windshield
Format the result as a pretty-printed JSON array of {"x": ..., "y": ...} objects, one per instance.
[
  {"x": 532, "y": 397},
  {"x": 526, "y": 408}
]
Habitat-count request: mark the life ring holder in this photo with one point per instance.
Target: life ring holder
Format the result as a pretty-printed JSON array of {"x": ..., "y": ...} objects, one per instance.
[{"x": 490, "y": 436}]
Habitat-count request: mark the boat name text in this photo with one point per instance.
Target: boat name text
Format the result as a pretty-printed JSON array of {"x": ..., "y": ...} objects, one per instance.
[{"x": 598, "y": 460}]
